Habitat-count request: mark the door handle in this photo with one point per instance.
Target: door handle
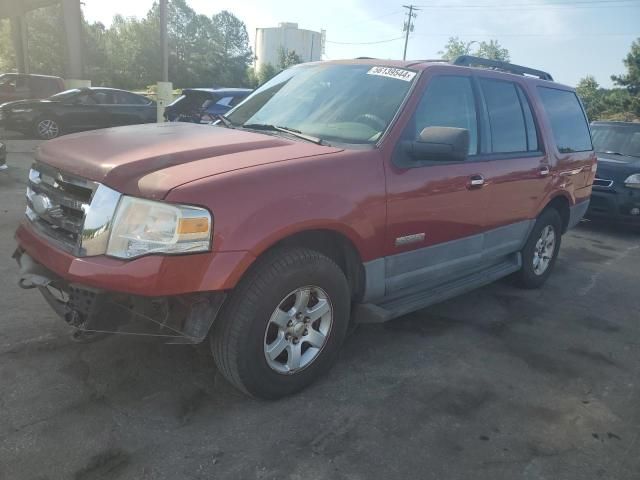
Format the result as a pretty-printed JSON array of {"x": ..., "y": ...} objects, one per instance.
[
  {"x": 476, "y": 181},
  {"x": 544, "y": 171}
]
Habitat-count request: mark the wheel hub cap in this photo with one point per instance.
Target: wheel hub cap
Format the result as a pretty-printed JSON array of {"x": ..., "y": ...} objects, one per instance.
[
  {"x": 544, "y": 250},
  {"x": 48, "y": 128},
  {"x": 298, "y": 330}
]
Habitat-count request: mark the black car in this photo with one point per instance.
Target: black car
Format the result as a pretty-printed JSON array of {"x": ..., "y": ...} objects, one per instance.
[
  {"x": 75, "y": 110},
  {"x": 616, "y": 189}
]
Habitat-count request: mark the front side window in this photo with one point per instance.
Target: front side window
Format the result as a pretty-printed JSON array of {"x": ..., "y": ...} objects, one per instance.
[
  {"x": 351, "y": 104},
  {"x": 448, "y": 102},
  {"x": 568, "y": 121}
]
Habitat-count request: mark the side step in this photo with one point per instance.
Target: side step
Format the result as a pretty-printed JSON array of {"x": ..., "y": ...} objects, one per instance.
[{"x": 401, "y": 304}]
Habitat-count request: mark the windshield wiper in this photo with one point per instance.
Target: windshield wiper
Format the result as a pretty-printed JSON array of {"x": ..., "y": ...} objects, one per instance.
[
  {"x": 290, "y": 131},
  {"x": 224, "y": 120}
]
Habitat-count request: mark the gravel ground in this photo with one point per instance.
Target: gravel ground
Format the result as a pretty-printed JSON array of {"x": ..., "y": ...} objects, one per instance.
[{"x": 497, "y": 384}]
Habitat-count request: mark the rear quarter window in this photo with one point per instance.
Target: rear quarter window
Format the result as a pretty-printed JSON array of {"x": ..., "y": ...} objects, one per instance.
[{"x": 567, "y": 118}]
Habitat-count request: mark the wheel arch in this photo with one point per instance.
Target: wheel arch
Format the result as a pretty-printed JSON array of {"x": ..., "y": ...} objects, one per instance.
[
  {"x": 330, "y": 242},
  {"x": 562, "y": 204}
]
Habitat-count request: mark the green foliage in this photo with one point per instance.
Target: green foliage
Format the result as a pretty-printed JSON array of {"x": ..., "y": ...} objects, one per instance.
[
  {"x": 604, "y": 104},
  {"x": 203, "y": 51},
  {"x": 491, "y": 50},
  {"x": 265, "y": 73},
  {"x": 631, "y": 80},
  {"x": 614, "y": 103},
  {"x": 287, "y": 58}
]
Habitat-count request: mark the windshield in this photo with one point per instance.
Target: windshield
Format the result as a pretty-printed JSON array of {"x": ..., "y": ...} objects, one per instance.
[
  {"x": 342, "y": 103},
  {"x": 64, "y": 95},
  {"x": 622, "y": 139}
]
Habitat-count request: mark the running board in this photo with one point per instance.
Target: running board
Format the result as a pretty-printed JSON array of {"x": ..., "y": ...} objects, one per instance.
[{"x": 401, "y": 304}]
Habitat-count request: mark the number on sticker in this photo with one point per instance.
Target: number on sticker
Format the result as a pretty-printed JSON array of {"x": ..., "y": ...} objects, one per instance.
[{"x": 391, "y": 72}]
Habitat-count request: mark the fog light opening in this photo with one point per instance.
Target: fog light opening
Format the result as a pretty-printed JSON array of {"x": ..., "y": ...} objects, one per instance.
[{"x": 635, "y": 211}]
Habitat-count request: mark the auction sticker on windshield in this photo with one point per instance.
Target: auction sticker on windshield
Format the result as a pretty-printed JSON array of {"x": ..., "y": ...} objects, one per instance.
[{"x": 399, "y": 73}]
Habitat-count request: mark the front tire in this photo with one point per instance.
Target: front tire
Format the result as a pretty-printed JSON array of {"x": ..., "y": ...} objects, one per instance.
[
  {"x": 541, "y": 250},
  {"x": 283, "y": 325},
  {"x": 47, "y": 128}
]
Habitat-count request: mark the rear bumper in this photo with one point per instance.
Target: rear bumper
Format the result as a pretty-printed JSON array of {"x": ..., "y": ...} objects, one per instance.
[
  {"x": 615, "y": 205},
  {"x": 577, "y": 212},
  {"x": 151, "y": 276}
]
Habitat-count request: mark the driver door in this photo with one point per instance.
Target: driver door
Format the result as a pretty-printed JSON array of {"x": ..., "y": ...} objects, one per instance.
[{"x": 436, "y": 211}]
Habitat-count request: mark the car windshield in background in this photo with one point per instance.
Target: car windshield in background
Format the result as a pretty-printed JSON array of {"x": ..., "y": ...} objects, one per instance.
[
  {"x": 64, "y": 95},
  {"x": 341, "y": 103},
  {"x": 617, "y": 139}
]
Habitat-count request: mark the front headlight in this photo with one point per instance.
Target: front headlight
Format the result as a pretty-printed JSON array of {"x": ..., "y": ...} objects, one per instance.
[
  {"x": 142, "y": 226},
  {"x": 633, "y": 181}
]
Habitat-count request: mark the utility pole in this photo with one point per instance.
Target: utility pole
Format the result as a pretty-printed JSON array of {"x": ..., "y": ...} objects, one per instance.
[
  {"x": 164, "y": 49},
  {"x": 164, "y": 90},
  {"x": 408, "y": 26}
]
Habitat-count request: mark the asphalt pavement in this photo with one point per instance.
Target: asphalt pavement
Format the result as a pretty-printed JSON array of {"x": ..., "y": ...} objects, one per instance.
[{"x": 497, "y": 384}]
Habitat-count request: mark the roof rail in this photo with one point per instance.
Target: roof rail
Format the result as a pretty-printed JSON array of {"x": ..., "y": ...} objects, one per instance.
[{"x": 469, "y": 61}]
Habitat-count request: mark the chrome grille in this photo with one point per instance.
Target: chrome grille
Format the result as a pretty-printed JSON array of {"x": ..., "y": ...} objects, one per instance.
[
  {"x": 602, "y": 182},
  {"x": 57, "y": 203}
]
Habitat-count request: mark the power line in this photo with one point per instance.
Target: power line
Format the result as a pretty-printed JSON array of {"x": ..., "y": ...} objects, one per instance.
[
  {"x": 367, "y": 43},
  {"x": 408, "y": 26},
  {"x": 497, "y": 35},
  {"x": 556, "y": 5}
]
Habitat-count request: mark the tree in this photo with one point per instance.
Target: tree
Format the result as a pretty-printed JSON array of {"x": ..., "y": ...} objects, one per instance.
[
  {"x": 455, "y": 48},
  {"x": 592, "y": 96},
  {"x": 491, "y": 50},
  {"x": 631, "y": 80},
  {"x": 287, "y": 58},
  {"x": 234, "y": 51}
]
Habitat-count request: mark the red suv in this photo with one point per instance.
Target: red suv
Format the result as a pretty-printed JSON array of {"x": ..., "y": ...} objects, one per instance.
[{"x": 338, "y": 191}]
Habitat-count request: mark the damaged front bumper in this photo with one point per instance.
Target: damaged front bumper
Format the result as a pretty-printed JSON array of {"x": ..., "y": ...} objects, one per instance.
[{"x": 184, "y": 318}]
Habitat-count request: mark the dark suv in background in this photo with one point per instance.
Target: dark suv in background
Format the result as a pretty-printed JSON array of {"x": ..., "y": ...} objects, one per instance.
[
  {"x": 616, "y": 189},
  {"x": 18, "y": 86}
]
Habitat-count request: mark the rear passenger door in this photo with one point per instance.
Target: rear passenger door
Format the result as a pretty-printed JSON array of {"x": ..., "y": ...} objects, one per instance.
[{"x": 519, "y": 174}]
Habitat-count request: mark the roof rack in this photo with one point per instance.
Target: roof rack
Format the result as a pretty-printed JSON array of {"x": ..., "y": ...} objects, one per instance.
[{"x": 469, "y": 61}]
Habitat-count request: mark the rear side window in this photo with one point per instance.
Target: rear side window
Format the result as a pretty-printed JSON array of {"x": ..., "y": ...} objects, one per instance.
[
  {"x": 506, "y": 116},
  {"x": 568, "y": 122},
  {"x": 449, "y": 102}
]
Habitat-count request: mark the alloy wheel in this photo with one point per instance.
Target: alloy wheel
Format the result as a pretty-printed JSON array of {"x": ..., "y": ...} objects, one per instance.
[
  {"x": 298, "y": 330},
  {"x": 48, "y": 129},
  {"x": 544, "y": 250}
]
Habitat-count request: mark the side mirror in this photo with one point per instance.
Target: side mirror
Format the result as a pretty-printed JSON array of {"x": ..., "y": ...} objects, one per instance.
[{"x": 440, "y": 144}]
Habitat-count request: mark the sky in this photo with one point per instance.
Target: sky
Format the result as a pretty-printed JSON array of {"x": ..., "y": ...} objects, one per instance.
[{"x": 568, "y": 38}]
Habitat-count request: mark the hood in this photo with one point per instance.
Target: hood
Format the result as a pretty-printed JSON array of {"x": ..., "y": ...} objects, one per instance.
[
  {"x": 150, "y": 160},
  {"x": 617, "y": 167}
]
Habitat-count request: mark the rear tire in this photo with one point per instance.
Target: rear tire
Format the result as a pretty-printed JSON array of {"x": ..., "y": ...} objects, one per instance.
[
  {"x": 541, "y": 250},
  {"x": 284, "y": 323}
]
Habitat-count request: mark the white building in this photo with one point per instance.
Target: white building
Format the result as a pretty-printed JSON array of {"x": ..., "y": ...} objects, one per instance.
[{"x": 309, "y": 45}]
